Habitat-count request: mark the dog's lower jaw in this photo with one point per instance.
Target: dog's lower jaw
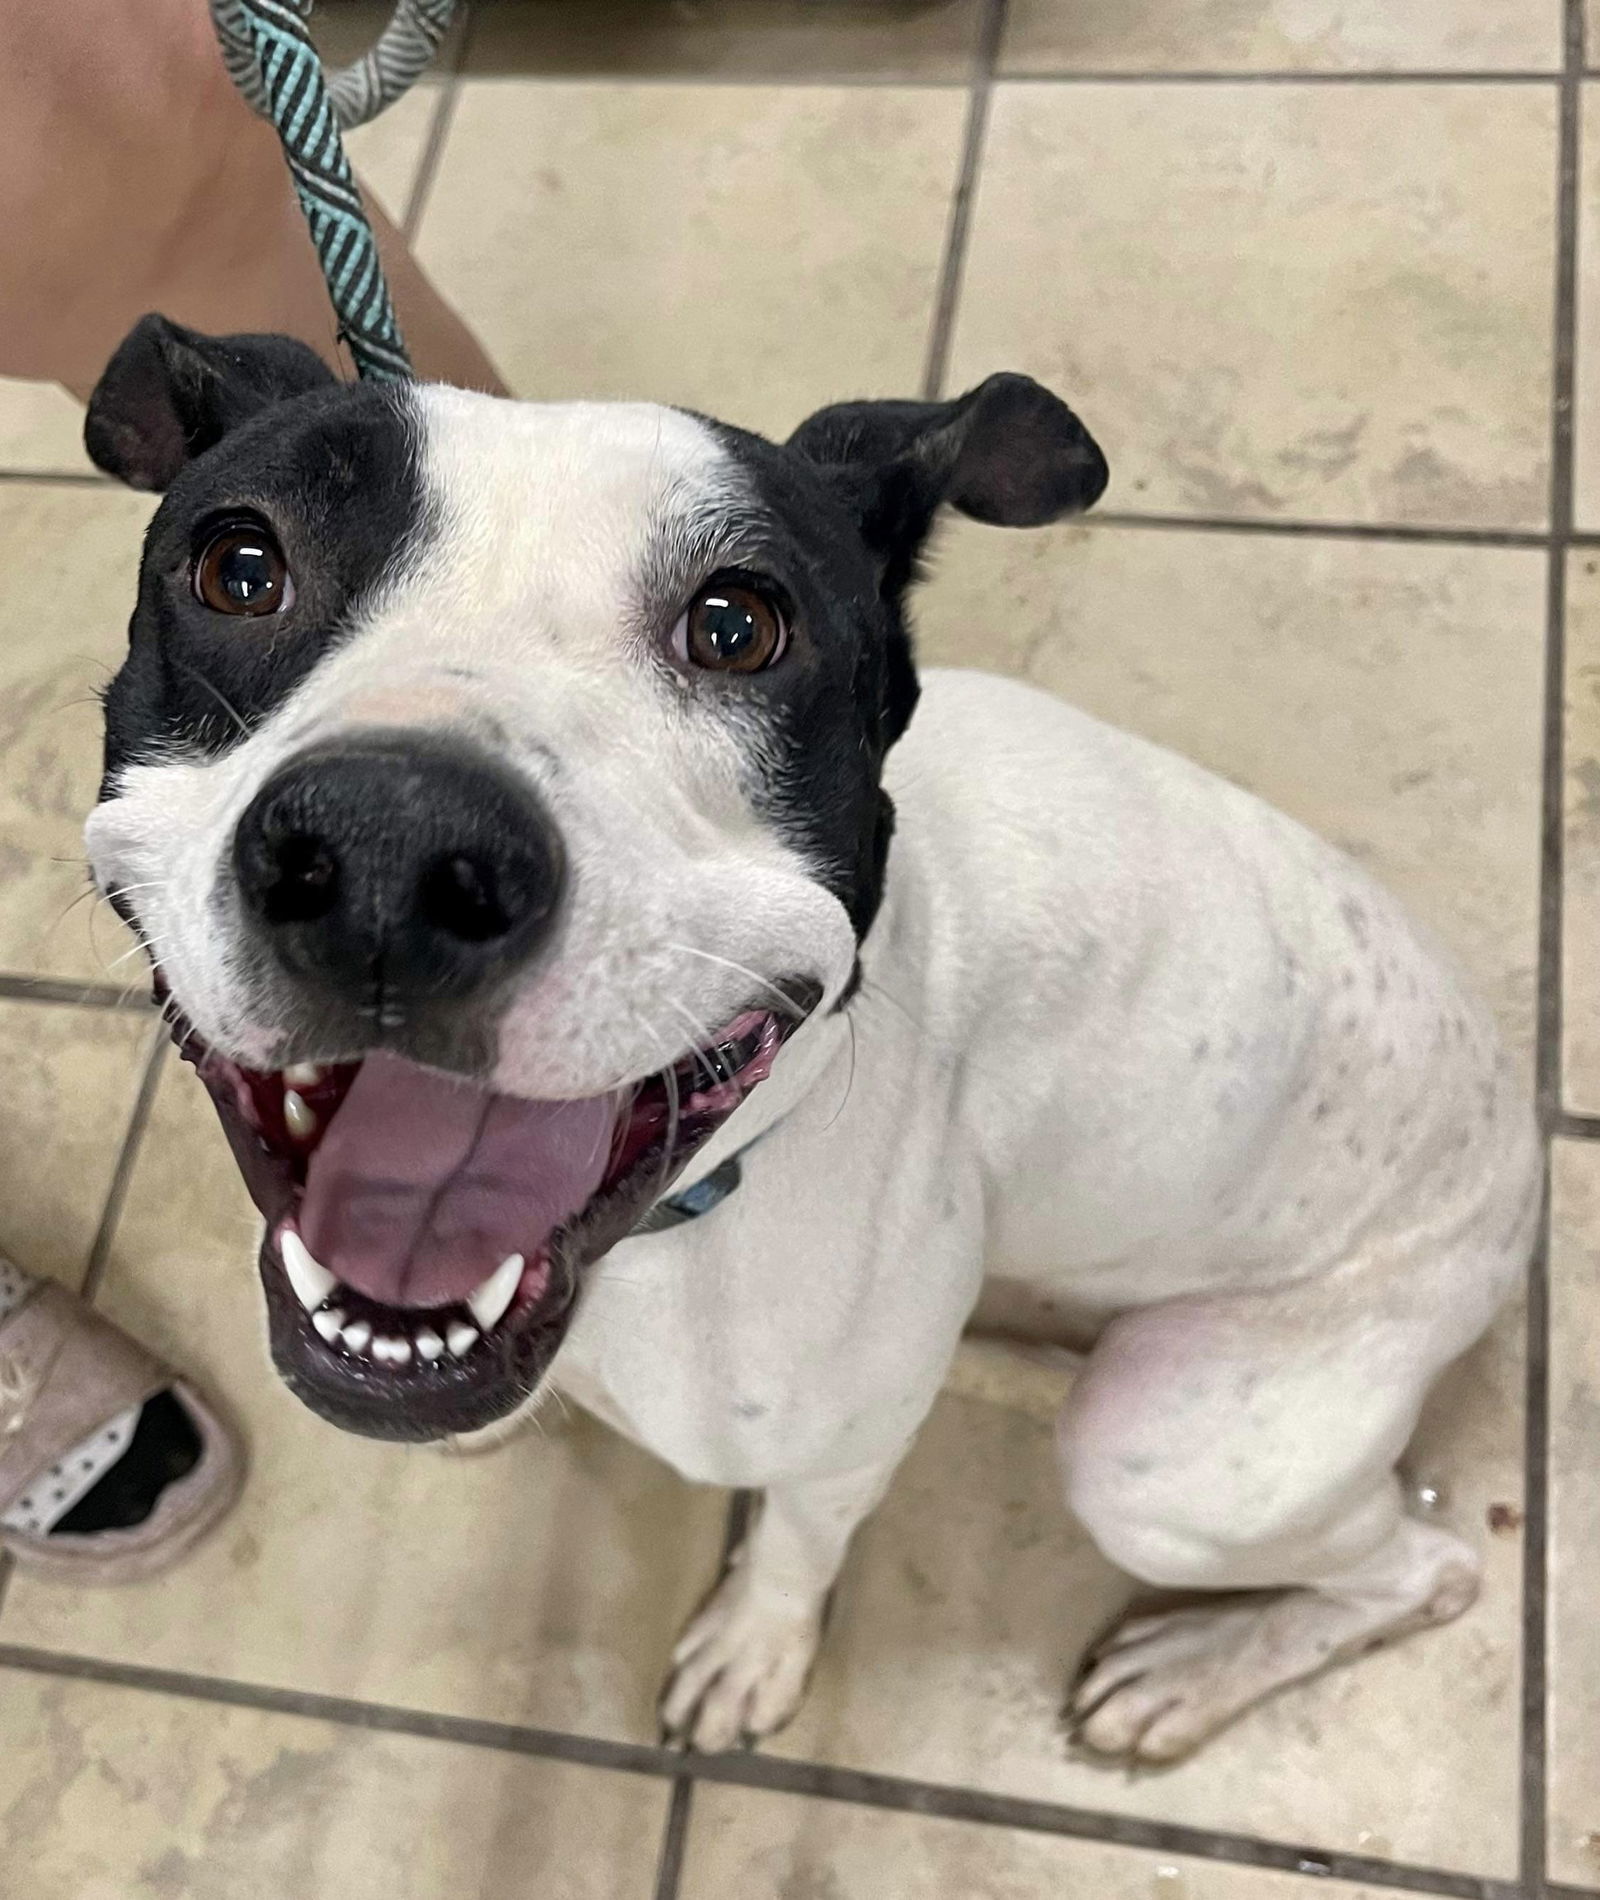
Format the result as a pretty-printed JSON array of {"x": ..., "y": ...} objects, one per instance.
[{"x": 359, "y": 1399}]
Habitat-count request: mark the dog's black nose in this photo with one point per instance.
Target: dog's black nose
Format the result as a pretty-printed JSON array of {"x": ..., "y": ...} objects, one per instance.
[{"x": 397, "y": 867}]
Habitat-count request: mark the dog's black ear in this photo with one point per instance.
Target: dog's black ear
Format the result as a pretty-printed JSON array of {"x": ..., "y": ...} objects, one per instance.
[
  {"x": 1007, "y": 452},
  {"x": 169, "y": 394}
]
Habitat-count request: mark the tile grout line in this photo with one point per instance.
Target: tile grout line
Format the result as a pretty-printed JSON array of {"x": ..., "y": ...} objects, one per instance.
[
  {"x": 438, "y": 132},
  {"x": 891, "y": 79},
  {"x": 888, "y": 79},
  {"x": 1327, "y": 530},
  {"x": 1286, "y": 76},
  {"x": 49, "y": 989},
  {"x": 675, "y": 1829},
  {"x": 985, "y": 58},
  {"x": 57, "y": 478},
  {"x": 127, "y": 1156},
  {"x": 772, "y": 1774},
  {"x": 1557, "y": 543},
  {"x": 675, "y": 1832},
  {"x": 1532, "y": 1809},
  {"x": 1533, "y": 1815},
  {"x": 674, "y": 1839}
]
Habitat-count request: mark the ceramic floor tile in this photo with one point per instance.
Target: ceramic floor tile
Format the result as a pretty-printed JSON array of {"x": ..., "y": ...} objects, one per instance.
[
  {"x": 1282, "y": 301},
  {"x": 71, "y": 1079},
  {"x": 1573, "y": 1671},
  {"x": 1580, "y": 983},
  {"x": 116, "y": 1794},
  {"x": 70, "y": 558},
  {"x": 543, "y": 1583},
  {"x": 1282, "y": 36},
  {"x": 1388, "y": 696},
  {"x": 41, "y": 430},
  {"x": 879, "y": 39},
  {"x": 1586, "y": 415},
  {"x": 685, "y": 243},
  {"x": 971, "y": 1595},
  {"x": 748, "y": 1846}
]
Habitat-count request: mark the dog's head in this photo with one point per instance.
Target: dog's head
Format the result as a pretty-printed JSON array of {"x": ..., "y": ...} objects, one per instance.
[{"x": 495, "y": 787}]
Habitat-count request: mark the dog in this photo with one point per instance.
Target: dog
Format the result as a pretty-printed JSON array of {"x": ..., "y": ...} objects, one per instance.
[{"x": 617, "y": 972}]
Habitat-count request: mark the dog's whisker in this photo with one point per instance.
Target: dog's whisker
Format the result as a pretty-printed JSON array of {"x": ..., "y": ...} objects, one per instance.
[
  {"x": 127, "y": 956},
  {"x": 218, "y": 695},
  {"x": 701, "y": 1038},
  {"x": 743, "y": 969},
  {"x": 127, "y": 890},
  {"x": 850, "y": 1079},
  {"x": 674, "y": 1104},
  {"x": 871, "y": 988},
  {"x": 71, "y": 905}
]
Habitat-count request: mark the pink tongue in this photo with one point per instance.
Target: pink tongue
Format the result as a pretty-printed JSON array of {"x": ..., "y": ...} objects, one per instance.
[{"x": 423, "y": 1183}]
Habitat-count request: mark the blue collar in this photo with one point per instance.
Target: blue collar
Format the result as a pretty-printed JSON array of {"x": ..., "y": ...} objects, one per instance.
[{"x": 708, "y": 1193}]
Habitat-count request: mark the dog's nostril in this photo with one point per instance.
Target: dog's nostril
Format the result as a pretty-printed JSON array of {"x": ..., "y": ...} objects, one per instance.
[
  {"x": 401, "y": 860},
  {"x": 304, "y": 886},
  {"x": 459, "y": 895}
]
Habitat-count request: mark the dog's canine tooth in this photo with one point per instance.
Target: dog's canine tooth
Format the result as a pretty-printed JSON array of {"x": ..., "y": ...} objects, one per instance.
[
  {"x": 461, "y": 1337},
  {"x": 356, "y": 1335},
  {"x": 311, "y": 1280},
  {"x": 489, "y": 1301},
  {"x": 302, "y": 1075},
  {"x": 329, "y": 1321},
  {"x": 428, "y": 1343},
  {"x": 297, "y": 1118}
]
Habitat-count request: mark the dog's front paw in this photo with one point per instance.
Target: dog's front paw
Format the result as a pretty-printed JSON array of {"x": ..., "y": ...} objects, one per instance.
[{"x": 740, "y": 1669}]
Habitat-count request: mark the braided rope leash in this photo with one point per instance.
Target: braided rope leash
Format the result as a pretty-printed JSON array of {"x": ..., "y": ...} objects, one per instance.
[{"x": 269, "y": 56}]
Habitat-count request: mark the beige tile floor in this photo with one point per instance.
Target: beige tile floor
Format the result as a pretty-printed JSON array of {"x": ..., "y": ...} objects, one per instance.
[{"x": 1307, "y": 268}]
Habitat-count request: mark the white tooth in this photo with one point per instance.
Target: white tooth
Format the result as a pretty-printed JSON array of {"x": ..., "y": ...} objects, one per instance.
[
  {"x": 303, "y": 1075},
  {"x": 490, "y": 1301},
  {"x": 329, "y": 1322},
  {"x": 461, "y": 1337},
  {"x": 391, "y": 1352},
  {"x": 297, "y": 1118},
  {"x": 311, "y": 1280},
  {"x": 356, "y": 1335},
  {"x": 429, "y": 1344}
]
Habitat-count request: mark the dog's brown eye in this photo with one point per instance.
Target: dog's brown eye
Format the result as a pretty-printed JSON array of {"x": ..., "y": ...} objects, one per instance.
[
  {"x": 241, "y": 570},
  {"x": 730, "y": 627}
]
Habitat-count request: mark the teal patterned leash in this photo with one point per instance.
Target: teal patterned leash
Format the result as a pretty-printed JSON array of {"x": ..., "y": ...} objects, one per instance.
[{"x": 270, "y": 58}]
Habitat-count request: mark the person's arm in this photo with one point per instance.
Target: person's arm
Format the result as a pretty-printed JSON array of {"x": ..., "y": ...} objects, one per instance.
[{"x": 134, "y": 178}]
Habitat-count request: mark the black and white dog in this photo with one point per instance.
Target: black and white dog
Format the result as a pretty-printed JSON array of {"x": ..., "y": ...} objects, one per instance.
[{"x": 525, "y": 813}]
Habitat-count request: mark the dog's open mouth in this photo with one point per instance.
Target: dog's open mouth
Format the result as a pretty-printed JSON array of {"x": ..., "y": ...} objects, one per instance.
[{"x": 425, "y": 1235}]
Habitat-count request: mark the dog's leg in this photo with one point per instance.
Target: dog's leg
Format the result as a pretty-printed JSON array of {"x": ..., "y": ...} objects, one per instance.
[
  {"x": 1248, "y": 1444},
  {"x": 1161, "y": 1684},
  {"x": 740, "y": 1669}
]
